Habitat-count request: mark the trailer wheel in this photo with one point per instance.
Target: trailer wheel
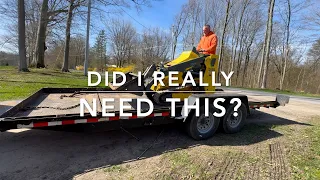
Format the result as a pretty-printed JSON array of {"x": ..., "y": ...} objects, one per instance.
[
  {"x": 203, "y": 127},
  {"x": 232, "y": 124}
]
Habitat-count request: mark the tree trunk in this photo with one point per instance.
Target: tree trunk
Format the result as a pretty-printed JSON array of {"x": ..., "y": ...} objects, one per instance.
[
  {"x": 287, "y": 45},
  {"x": 247, "y": 59},
  {"x": 303, "y": 75},
  {"x": 244, "y": 75},
  {"x": 174, "y": 41},
  {"x": 86, "y": 58},
  {"x": 38, "y": 60},
  {"x": 262, "y": 61},
  {"x": 238, "y": 33},
  {"x": 296, "y": 88},
  {"x": 239, "y": 62},
  {"x": 222, "y": 39},
  {"x": 232, "y": 48},
  {"x": 269, "y": 34},
  {"x": 174, "y": 47},
  {"x": 22, "y": 37},
  {"x": 65, "y": 67},
  {"x": 255, "y": 69},
  {"x": 195, "y": 15}
]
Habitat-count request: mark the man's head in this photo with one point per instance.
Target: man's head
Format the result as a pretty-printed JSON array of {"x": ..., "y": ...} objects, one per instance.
[{"x": 206, "y": 29}]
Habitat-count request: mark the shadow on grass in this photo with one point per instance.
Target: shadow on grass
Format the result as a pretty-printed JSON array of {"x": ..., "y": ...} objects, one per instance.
[{"x": 46, "y": 152}]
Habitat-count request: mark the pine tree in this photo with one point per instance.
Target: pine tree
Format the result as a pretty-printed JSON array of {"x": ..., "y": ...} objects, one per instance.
[{"x": 100, "y": 49}]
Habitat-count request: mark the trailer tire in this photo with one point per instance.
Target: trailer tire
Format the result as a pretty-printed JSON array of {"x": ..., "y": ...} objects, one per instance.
[
  {"x": 200, "y": 128},
  {"x": 232, "y": 124}
]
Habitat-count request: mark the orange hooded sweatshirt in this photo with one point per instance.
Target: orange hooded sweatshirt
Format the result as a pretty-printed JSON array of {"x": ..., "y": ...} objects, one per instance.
[{"x": 208, "y": 43}]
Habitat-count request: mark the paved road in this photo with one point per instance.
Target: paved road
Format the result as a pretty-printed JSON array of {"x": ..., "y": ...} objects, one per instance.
[{"x": 261, "y": 93}]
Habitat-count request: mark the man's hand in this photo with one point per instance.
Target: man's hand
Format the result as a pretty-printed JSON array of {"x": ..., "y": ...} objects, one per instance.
[{"x": 202, "y": 50}]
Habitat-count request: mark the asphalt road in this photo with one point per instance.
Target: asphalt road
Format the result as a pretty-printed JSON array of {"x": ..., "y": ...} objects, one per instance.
[{"x": 261, "y": 93}]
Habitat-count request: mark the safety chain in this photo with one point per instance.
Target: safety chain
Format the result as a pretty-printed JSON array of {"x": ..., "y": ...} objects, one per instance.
[
  {"x": 57, "y": 108},
  {"x": 72, "y": 95},
  {"x": 48, "y": 107}
]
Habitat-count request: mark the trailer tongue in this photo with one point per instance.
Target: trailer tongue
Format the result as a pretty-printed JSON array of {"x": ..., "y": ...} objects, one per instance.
[{"x": 60, "y": 106}]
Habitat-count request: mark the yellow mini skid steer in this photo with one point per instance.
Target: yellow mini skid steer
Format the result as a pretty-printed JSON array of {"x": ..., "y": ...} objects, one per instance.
[{"x": 188, "y": 61}]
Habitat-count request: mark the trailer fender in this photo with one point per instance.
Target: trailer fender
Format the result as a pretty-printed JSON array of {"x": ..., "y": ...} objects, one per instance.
[{"x": 282, "y": 100}]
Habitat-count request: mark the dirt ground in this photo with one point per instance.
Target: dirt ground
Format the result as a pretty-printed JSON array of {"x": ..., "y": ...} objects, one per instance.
[{"x": 262, "y": 150}]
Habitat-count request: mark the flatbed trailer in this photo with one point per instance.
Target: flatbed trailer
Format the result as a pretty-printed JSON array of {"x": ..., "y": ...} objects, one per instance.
[{"x": 60, "y": 107}]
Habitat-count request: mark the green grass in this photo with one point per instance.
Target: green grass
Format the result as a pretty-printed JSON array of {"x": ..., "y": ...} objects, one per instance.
[
  {"x": 19, "y": 85},
  {"x": 116, "y": 168},
  {"x": 282, "y": 92},
  {"x": 183, "y": 164},
  {"x": 306, "y": 162}
]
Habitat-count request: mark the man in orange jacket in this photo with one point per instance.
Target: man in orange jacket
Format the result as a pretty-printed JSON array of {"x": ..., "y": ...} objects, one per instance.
[{"x": 209, "y": 41}]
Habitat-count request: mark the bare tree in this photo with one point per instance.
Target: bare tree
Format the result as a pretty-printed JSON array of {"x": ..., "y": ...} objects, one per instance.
[
  {"x": 9, "y": 22},
  {"x": 252, "y": 27},
  {"x": 244, "y": 7},
  {"x": 312, "y": 19},
  {"x": 255, "y": 52},
  {"x": 193, "y": 10},
  {"x": 267, "y": 44},
  {"x": 314, "y": 55},
  {"x": 9, "y": 16},
  {"x": 22, "y": 37},
  {"x": 121, "y": 35},
  {"x": 252, "y": 78},
  {"x": 38, "y": 60},
  {"x": 226, "y": 22},
  {"x": 46, "y": 17},
  {"x": 287, "y": 48},
  {"x": 65, "y": 66},
  {"x": 154, "y": 47},
  {"x": 180, "y": 21},
  {"x": 32, "y": 19}
]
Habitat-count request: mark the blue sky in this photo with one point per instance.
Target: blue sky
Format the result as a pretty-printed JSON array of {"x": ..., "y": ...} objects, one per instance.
[{"x": 161, "y": 14}]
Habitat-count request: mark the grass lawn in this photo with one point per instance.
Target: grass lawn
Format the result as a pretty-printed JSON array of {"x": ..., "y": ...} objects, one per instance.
[
  {"x": 300, "y": 146},
  {"x": 18, "y": 85},
  {"x": 306, "y": 159},
  {"x": 282, "y": 92}
]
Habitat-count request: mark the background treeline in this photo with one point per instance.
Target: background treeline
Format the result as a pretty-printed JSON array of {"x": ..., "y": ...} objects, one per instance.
[
  {"x": 55, "y": 34},
  {"x": 267, "y": 43}
]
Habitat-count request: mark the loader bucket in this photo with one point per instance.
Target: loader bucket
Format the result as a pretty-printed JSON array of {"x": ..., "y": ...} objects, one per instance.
[
  {"x": 132, "y": 81},
  {"x": 130, "y": 85}
]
